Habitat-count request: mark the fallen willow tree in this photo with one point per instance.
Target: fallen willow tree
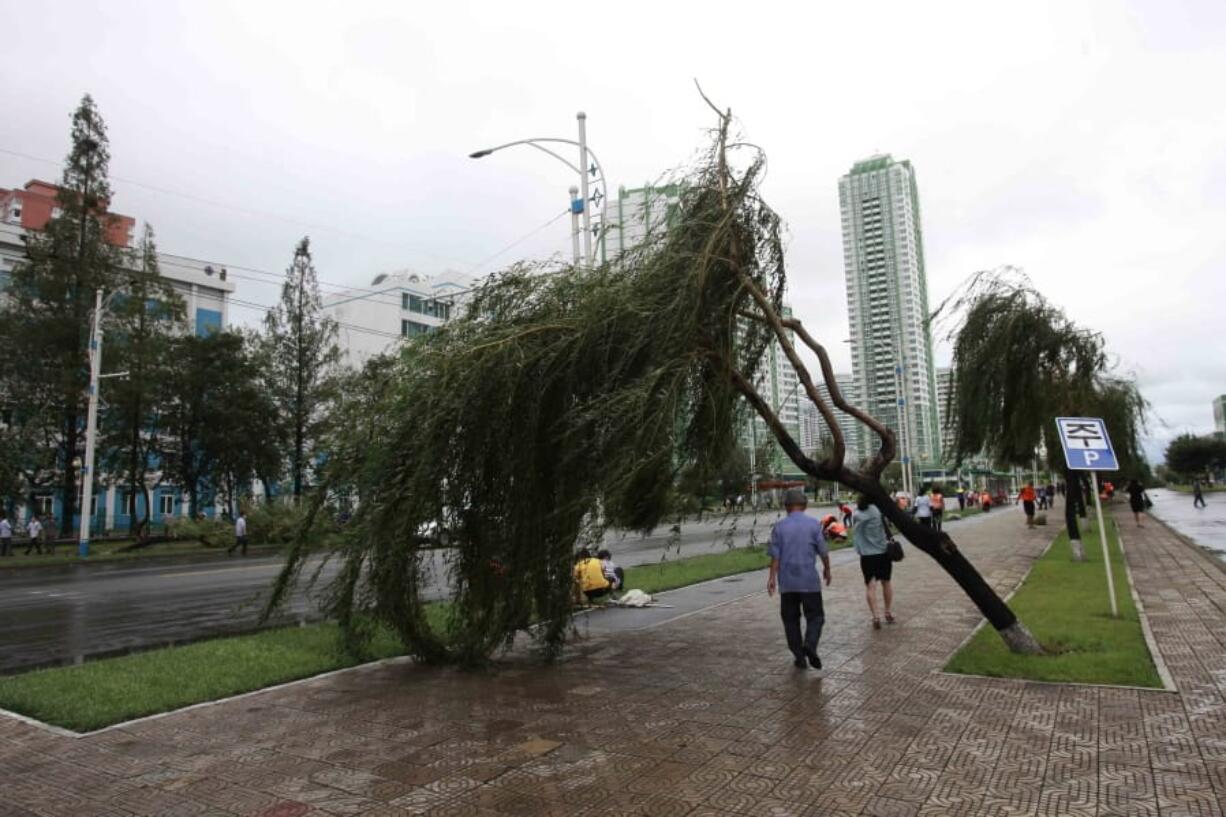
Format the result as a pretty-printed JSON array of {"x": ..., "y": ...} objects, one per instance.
[{"x": 569, "y": 398}]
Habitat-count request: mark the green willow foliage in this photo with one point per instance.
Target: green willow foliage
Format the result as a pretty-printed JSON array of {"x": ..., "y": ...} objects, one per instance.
[
  {"x": 1018, "y": 363},
  {"x": 563, "y": 399}
]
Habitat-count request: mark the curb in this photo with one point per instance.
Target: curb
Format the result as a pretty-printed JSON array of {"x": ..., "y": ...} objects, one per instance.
[{"x": 1168, "y": 682}]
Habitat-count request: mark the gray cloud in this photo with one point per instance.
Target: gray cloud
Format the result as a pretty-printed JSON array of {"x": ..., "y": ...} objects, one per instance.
[{"x": 1082, "y": 142}]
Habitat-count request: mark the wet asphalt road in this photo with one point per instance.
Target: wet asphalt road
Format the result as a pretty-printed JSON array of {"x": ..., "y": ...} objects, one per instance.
[
  {"x": 1204, "y": 526},
  {"x": 55, "y": 617}
]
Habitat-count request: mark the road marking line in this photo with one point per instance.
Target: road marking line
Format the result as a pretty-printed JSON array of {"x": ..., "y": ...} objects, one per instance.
[{"x": 221, "y": 570}]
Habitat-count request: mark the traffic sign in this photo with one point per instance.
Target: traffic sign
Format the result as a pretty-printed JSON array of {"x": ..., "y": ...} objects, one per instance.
[{"x": 1086, "y": 444}]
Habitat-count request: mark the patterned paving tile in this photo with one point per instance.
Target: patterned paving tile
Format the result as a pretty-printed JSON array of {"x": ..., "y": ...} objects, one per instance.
[{"x": 685, "y": 720}]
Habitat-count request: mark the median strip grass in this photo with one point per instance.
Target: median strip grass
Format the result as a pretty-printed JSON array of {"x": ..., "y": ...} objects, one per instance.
[
  {"x": 1065, "y": 604},
  {"x": 112, "y": 690}
]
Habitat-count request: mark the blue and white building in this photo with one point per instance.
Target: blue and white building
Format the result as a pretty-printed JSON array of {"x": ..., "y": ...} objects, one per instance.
[{"x": 206, "y": 289}]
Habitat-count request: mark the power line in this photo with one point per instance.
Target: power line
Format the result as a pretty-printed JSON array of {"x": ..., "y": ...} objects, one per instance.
[
  {"x": 349, "y": 326},
  {"x": 238, "y": 208},
  {"x": 289, "y": 219}
]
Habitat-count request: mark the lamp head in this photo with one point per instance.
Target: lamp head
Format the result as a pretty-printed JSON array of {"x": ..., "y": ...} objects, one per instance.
[{"x": 479, "y": 154}]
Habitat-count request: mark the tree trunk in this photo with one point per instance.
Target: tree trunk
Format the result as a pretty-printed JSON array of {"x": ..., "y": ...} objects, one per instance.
[
  {"x": 69, "y": 487},
  {"x": 942, "y": 549},
  {"x": 1070, "y": 517}
]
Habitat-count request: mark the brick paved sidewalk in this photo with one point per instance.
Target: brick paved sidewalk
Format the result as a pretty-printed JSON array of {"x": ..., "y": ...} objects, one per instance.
[{"x": 702, "y": 716}]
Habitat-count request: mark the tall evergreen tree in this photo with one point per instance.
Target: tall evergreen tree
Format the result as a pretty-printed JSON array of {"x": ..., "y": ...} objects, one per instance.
[
  {"x": 46, "y": 315},
  {"x": 141, "y": 324},
  {"x": 301, "y": 353}
]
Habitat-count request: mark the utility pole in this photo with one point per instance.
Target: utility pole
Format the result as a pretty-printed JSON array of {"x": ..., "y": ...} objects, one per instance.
[
  {"x": 91, "y": 425},
  {"x": 577, "y": 206},
  {"x": 583, "y": 173}
]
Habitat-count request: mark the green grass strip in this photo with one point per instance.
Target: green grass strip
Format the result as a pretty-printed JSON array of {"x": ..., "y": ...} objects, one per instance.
[
  {"x": 111, "y": 690},
  {"x": 100, "y": 693},
  {"x": 1065, "y": 604}
]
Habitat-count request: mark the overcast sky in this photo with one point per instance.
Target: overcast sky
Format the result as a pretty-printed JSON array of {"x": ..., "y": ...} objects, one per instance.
[{"x": 1084, "y": 142}]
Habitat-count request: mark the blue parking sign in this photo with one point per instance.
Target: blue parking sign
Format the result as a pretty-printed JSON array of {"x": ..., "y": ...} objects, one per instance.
[{"x": 1086, "y": 444}]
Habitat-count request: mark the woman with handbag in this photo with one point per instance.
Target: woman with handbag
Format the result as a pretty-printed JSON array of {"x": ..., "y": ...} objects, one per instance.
[{"x": 872, "y": 541}]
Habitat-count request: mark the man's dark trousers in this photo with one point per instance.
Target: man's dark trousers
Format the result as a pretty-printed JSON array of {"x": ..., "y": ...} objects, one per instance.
[{"x": 790, "y": 605}]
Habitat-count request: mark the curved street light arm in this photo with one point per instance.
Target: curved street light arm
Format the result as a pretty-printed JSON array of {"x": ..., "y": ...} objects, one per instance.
[{"x": 604, "y": 204}]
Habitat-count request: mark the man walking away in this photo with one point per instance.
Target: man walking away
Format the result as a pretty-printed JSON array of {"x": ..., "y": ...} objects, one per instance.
[
  {"x": 1198, "y": 497},
  {"x": 796, "y": 543},
  {"x": 6, "y": 535},
  {"x": 240, "y": 533},
  {"x": 35, "y": 529}
]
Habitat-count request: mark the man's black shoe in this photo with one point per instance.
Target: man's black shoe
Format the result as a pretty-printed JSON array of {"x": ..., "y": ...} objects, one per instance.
[
  {"x": 799, "y": 663},
  {"x": 814, "y": 661}
]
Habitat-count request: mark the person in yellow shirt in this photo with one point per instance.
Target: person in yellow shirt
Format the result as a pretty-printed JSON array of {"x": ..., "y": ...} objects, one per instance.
[{"x": 590, "y": 581}]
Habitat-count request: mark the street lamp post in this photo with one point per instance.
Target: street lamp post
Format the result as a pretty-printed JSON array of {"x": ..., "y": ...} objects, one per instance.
[
  {"x": 91, "y": 425},
  {"x": 91, "y": 421},
  {"x": 576, "y": 207},
  {"x": 583, "y": 169}
]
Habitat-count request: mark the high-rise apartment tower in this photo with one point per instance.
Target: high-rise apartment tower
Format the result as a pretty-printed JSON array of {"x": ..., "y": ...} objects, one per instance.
[{"x": 887, "y": 303}]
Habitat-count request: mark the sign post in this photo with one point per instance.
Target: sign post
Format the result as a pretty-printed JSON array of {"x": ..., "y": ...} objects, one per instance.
[{"x": 1088, "y": 448}]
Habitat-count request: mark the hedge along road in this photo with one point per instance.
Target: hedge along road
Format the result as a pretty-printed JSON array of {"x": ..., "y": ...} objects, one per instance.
[{"x": 66, "y": 615}]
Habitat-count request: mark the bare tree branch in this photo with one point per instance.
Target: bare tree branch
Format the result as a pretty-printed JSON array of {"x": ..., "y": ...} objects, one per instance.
[{"x": 884, "y": 455}]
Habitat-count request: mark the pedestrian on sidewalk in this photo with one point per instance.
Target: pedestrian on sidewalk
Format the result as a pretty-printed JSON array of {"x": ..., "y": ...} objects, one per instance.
[
  {"x": 871, "y": 540},
  {"x": 1136, "y": 500},
  {"x": 796, "y": 544},
  {"x": 1198, "y": 497},
  {"x": 35, "y": 530},
  {"x": 1027, "y": 497},
  {"x": 961, "y": 499},
  {"x": 240, "y": 534},
  {"x": 1051, "y": 496},
  {"x": 938, "y": 507},
  {"x": 923, "y": 507},
  {"x": 6, "y": 535},
  {"x": 845, "y": 510}
]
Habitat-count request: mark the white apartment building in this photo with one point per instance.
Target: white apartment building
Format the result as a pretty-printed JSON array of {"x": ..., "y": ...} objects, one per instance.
[
  {"x": 396, "y": 305},
  {"x": 887, "y": 303},
  {"x": 639, "y": 214},
  {"x": 945, "y": 388},
  {"x": 779, "y": 385}
]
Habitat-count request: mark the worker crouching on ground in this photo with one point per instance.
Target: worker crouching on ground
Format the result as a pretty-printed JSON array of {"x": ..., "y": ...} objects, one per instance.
[{"x": 590, "y": 581}]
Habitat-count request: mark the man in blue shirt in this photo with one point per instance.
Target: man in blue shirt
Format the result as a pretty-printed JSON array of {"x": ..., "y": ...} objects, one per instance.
[{"x": 796, "y": 542}]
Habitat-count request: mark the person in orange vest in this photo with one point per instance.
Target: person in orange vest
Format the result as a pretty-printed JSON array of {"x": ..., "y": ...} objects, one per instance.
[
  {"x": 1027, "y": 496},
  {"x": 938, "y": 507},
  {"x": 985, "y": 501}
]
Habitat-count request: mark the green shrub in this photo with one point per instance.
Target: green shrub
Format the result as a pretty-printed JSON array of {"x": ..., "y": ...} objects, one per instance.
[{"x": 214, "y": 533}]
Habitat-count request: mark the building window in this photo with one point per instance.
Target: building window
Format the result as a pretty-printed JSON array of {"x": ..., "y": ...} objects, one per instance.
[
  {"x": 166, "y": 504},
  {"x": 208, "y": 321},
  {"x": 43, "y": 505},
  {"x": 415, "y": 303},
  {"x": 411, "y": 329}
]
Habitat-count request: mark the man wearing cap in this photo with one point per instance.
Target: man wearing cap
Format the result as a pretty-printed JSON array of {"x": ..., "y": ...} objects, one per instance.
[{"x": 796, "y": 542}]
